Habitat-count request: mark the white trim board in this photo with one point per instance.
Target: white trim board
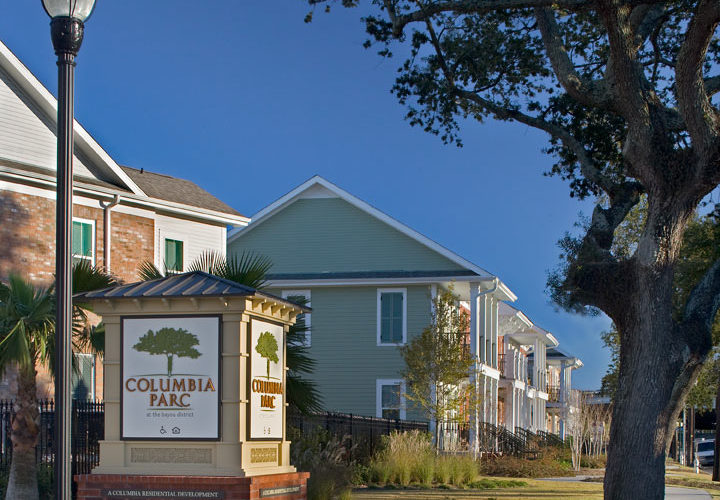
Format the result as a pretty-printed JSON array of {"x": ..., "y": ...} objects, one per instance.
[{"x": 317, "y": 185}]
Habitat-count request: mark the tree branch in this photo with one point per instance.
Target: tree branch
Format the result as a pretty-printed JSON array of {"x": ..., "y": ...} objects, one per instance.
[
  {"x": 695, "y": 107},
  {"x": 472, "y": 7},
  {"x": 712, "y": 85},
  {"x": 590, "y": 93},
  {"x": 701, "y": 308}
]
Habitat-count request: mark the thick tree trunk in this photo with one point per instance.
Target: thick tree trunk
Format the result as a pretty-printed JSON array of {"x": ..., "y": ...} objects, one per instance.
[
  {"x": 22, "y": 482},
  {"x": 657, "y": 367}
]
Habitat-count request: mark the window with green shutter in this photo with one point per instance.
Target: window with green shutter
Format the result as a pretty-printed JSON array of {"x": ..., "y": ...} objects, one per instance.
[
  {"x": 83, "y": 241},
  {"x": 391, "y": 316},
  {"x": 174, "y": 255}
]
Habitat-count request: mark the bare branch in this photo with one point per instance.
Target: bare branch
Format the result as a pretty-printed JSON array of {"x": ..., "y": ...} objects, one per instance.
[{"x": 700, "y": 117}]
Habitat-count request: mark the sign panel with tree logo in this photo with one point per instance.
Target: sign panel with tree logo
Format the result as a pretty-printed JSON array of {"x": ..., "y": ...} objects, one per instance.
[
  {"x": 267, "y": 380},
  {"x": 170, "y": 373}
]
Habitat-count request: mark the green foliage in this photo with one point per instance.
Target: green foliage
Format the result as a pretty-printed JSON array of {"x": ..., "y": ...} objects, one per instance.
[
  {"x": 169, "y": 342},
  {"x": 249, "y": 269},
  {"x": 267, "y": 347},
  {"x": 27, "y": 318},
  {"x": 437, "y": 361},
  {"x": 303, "y": 395}
]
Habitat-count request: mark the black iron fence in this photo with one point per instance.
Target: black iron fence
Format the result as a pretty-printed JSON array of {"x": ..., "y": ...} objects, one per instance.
[
  {"x": 88, "y": 428},
  {"x": 364, "y": 433}
]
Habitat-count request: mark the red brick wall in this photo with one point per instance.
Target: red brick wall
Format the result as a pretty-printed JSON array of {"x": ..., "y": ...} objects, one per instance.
[
  {"x": 92, "y": 486},
  {"x": 27, "y": 247},
  {"x": 27, "y": 238}
]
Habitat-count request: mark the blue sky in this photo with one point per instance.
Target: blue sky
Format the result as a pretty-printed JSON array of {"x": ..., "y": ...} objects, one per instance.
[{"x": 246, "y": 100}]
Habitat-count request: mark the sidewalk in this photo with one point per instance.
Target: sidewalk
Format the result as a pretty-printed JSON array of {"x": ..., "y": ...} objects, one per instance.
[
  {"x": 671, "y": 492},
  {"x": 677, "y": 493}
]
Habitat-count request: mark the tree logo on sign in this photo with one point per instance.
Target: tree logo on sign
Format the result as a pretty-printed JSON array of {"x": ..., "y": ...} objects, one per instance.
[
  {"x": 169, "y": 342},
  {"x": 267, "y": 347}
]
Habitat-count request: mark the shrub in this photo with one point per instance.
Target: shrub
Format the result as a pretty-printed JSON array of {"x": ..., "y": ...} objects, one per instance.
[
  {"x": 508, "y": 466},
  {"x": 379, "y": 471},
  {"x": 423, "y": 470},
  {"x": 456, "y": 473},
  {"x": 324, "y": 457},
  {"x": 468, "y": 469},
  {"x": 442, "y": 470}
]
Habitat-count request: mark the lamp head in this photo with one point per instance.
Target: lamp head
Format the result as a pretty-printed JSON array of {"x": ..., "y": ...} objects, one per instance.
[{"x": 79, "y": 10}]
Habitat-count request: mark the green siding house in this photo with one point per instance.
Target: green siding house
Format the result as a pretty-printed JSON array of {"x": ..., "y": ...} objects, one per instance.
[{"x": 370, "y": 281}]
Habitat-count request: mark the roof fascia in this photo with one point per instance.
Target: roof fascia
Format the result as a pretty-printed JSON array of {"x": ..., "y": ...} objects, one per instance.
[
  {"x": 80, "y": 187},
  {"x": 42, "y": 97}
]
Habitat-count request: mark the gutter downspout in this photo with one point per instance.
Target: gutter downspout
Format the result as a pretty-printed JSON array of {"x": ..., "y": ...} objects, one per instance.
[
  {"x": 473, "y": 376},
  {"x": 107, "y": 229}
]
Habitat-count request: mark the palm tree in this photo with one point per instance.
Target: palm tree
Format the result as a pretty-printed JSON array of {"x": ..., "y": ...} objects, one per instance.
[
  {"x": 27, "y": 339},
  {"x": 251, "y": 270},
  {"x": 26, "y": 327}
]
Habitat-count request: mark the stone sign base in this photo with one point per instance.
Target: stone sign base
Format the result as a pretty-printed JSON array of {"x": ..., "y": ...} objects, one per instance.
[{"x": 291, "y": 486}]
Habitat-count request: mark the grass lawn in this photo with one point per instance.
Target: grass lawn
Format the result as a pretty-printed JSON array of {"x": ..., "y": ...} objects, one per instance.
[
  {"x": 535, "y": 490},
  {"x": 538, "y": 490}
]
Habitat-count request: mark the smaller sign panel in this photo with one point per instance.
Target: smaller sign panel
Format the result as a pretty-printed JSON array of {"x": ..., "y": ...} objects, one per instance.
[
  {"x": 267, "y": 380},
  {"x": 170, "y": 373}
]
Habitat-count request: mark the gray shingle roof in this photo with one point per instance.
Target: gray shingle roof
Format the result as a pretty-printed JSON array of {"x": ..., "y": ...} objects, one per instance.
[
  {"x": 192, "y": 284},
  {"x": 176, "y": 190}
]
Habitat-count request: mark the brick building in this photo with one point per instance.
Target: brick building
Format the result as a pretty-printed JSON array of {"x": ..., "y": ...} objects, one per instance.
[{"x": 121, "y": 216}]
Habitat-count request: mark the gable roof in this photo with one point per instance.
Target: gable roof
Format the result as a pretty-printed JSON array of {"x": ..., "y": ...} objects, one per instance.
[
  {"x": 192, "y": 284},
  {"x": 47, "y": 103},
  {"x": 319, "y": 187},
  {"x": 172, "y": 194}
]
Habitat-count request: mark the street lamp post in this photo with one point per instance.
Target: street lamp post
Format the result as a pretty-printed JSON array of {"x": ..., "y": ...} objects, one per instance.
[{"x": 66, "y": 28}]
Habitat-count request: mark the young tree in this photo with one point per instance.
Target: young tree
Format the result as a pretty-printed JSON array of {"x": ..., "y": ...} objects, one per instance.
[
  {"x": 437, "y": 362},
  {"x": 624, "y": 89},
  {"x": 169, "y": 342},
  {"x": 267, "y": 347}
]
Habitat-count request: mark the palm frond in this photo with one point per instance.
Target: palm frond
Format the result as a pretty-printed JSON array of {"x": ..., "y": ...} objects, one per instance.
[
  {"x": 249, "y": 269},
  {"x": 87, "y": 277},
  {"x": 147, "y": 271},
  {"x": 26, "y": 322}
]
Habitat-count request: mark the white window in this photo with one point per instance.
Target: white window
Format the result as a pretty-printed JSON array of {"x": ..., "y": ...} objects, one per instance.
[
  {"x": 83, "y": 377},
  {"x": 390, "y": 398},
  {"x": 83, "y": 240},
  {"x": 391, "y": 316},
  {"x": 302, "y": 297}
]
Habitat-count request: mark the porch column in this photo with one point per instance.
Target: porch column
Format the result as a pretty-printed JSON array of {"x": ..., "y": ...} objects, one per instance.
[{"x": 475, "y": 329}]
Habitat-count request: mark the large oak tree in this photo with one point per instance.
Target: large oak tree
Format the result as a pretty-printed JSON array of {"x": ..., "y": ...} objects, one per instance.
[{"x": 624, "y": 89}]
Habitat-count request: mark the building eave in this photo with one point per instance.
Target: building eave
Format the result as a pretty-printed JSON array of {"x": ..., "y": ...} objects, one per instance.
[{"x": 81, "y": 188}]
